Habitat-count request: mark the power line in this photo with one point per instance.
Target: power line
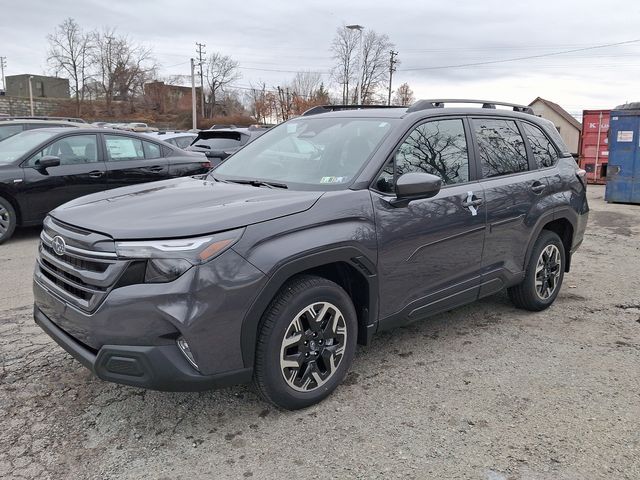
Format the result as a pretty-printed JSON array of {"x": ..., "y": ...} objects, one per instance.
[{"x": 528, "y": 57}]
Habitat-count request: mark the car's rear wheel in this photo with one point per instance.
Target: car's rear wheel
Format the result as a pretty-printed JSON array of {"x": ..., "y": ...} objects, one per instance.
[
  {"x": 8, "y": 220},
  {"x": 544, "y": 274},
  {"x": 306, "y": 343}
]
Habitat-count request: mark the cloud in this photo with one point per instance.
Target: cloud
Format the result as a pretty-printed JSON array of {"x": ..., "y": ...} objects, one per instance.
[{"x": 281, "y": 35}]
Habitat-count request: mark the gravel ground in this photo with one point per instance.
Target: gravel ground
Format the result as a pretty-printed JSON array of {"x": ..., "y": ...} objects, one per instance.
[{"x": 483, "y": 392}]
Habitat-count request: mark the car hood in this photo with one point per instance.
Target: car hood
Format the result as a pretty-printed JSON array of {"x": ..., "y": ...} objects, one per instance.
[{"x": 180, "y": 208}]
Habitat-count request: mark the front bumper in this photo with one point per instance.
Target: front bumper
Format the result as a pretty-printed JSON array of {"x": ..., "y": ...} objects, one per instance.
[
  {"x": 205, "y": 306},
  {"x": 156, "y": 367}
]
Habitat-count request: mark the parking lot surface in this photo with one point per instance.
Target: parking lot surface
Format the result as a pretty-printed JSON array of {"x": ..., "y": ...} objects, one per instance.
[{"x": 484, "y": 391}]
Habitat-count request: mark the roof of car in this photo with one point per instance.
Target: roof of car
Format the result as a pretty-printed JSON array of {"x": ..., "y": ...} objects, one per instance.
[
  {"x": 5, "y": 121},
  {"x": 108, "y": 131},
  {"x": 424, "y": 108}
]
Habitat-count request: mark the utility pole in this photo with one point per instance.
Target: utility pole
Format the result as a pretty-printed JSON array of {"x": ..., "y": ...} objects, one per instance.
[
  {"x": 200, "y": 53},
  {"x": 392, "y": 68},
  {"x": 31, "y": 94},
  {"x": 194, "y": 114},
  {"x": 3, "y": 65},
  {"x": 359, "y": 28}
]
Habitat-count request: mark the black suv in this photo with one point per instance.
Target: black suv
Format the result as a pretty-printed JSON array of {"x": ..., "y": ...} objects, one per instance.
[
  {"x": 218, "y": 143},
  {"x": 328, "y": 228}
]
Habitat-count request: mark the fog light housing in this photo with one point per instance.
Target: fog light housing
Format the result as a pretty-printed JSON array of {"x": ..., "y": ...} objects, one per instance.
[{"x": 183, "y": 346}]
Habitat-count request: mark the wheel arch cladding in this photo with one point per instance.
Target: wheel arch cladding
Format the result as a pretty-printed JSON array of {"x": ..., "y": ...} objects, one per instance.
[
  {"x": 345, "y": 266},
  {"x": 564, "y": 229}
]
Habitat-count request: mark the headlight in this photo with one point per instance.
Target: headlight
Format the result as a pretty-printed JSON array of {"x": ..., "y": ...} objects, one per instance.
[{"x": 168, "y": 259}]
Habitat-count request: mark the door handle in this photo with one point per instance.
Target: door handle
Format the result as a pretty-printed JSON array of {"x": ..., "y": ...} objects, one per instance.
[
  {"x": 537, "y": 187},
  {"x": 472, "y": 203},
  {"x": 156, "y": 168},
  {"x": 96, "y": 174}
]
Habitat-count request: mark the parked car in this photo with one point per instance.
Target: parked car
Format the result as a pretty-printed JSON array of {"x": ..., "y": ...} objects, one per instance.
[
  {"x": 41, "y": 169},
  {"x": 219, "y": 143},
  {"x": 178, "y": 139},
  {"x": 277, "y": 263},
  {"x": 11, "y": 125},
  {"x": 139, "y": 127}
]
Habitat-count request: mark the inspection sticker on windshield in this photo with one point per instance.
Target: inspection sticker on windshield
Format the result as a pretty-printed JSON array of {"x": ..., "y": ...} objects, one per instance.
[{"x": 333, "y": 179}]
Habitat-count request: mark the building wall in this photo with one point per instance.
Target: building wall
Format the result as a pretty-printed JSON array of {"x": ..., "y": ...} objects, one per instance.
[
  {"x": 43, "y": 87},
  {"x": 170, "y": 98},
  {"x": 569, "y": 133},
  {"x": 20, "y": 107}
]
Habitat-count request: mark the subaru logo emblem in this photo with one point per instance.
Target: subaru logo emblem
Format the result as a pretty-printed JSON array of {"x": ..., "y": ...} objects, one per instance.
[{"x": 59, "y": 245}]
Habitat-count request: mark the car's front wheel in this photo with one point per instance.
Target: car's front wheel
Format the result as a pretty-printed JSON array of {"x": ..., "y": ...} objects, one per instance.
[
  {"x": 543, "y": 276},
  {"x": 306, "y": 342},
  {"x": 8, "y": 220}
]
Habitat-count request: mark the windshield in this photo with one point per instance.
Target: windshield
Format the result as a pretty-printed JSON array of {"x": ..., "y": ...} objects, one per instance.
[
  {"x": 308, "y": 151},
  {"x": 7, "y": 131},
  {"x": 14, "y": 147}
]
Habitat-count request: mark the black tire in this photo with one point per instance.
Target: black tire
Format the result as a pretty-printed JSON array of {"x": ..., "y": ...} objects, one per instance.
[
  {"x": 8, "y": 220},
  {"x": 279, "y": 326},
  {"x": 527, "y": 295}
]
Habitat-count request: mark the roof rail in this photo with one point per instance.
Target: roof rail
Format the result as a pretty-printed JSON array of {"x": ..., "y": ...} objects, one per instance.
[
  {"x": 336, "y": 108},
  {"x": 439, "y": 103},
  {"x": 28, "y": 117}
]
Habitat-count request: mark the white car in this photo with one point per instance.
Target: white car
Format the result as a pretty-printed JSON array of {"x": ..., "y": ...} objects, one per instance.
[{"x": 179, "y": 139}]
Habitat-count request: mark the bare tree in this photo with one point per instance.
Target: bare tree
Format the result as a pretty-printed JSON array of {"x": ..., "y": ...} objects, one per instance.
[
  {"x": 374, "y": 65},
  {"x": 345, "y": 53},
  {"x": 404, "y": 95},
  {"x": 123, "y": 66},
  {"x": 71, "y": 52},
  {"x": 305, "y": 84},
  {"x": 221, "y": 70}
]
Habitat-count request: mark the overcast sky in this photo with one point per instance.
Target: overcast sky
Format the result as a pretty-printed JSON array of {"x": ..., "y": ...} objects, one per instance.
[{"x": 272, "y": 39}]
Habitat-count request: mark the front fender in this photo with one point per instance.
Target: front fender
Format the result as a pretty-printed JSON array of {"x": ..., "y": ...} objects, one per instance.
[{"x": 338, "y": 228}]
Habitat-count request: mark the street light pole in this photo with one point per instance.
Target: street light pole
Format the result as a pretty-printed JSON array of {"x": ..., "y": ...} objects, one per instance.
[
  {"x": 31, "y": 94},
  {"x": 194, "y": 121},
  {"x": 360, "y": 28}
]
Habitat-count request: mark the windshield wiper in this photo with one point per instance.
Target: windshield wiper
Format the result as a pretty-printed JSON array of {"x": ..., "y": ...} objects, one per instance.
[{"x": 259, "y": 183}]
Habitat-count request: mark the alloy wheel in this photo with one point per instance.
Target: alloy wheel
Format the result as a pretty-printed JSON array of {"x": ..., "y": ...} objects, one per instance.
[
  {"x": 548, "y": 271},
  {"x": 5, "y": 220},
  {"x": 313, "y": 346}
]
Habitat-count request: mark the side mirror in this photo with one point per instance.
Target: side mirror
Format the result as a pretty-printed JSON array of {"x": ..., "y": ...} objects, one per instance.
[
  {"x": 414, "y": 186},
  {"x": 48, "y": 161}
]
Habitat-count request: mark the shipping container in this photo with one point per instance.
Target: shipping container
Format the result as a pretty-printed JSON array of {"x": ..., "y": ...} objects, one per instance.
[
  {"x": 594, "y": 147},
  {"x": 623, "y": 175}
]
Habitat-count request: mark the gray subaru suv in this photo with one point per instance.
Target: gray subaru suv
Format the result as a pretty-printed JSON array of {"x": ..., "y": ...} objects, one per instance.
[{"x": 327, "y": 229}]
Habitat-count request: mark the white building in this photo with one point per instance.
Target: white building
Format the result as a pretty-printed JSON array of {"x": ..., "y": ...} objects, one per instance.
[{"x": 566, "y": 124}]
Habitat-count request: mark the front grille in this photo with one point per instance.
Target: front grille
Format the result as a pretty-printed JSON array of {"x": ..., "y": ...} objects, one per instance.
[
  {"x": 81, "y": 276},
  {"x": 76, "y": 292},
  {"x": 80, "y": 263}
]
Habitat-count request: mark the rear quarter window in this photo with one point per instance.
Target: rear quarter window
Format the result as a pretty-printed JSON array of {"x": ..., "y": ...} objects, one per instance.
[{"x": 543, "y": 150}]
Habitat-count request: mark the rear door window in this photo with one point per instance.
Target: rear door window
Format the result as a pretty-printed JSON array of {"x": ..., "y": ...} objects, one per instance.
[
  {"x": 544, "y": 152},
  {"x": 502, "y": 149},
  {"x": 121, "y": 148}
]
